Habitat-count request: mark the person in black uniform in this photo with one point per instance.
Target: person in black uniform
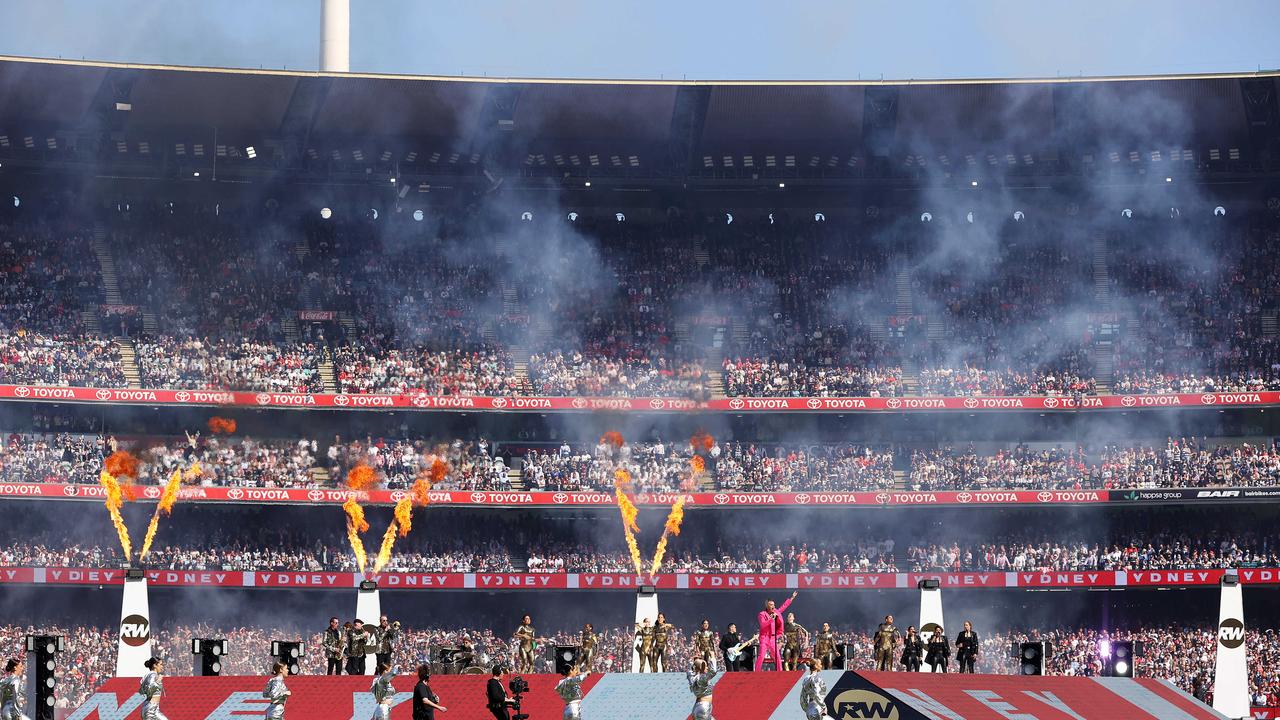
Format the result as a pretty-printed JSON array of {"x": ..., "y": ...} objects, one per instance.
[
  {"x": 729, "y": 639},
  {"x": 967, "y": 648},
  {"x": 939, "y": 651},
  {"x": 912, "y": 650},
  {"x": 496, "y": 695},
  {"x": 425, "y": 702}
]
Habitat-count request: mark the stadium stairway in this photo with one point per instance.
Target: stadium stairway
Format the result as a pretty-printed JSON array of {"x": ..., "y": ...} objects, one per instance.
[
  {"x": 327, "y": 374},
  {"x": 903, "y": 300},
  {"x": 129, "y": 361},
  {"x": 1103, "y": 351},
  {"x": 112, "y": 295},
  {"x": 1268, "y": 318},
  {"x": 106, "y": 266}
]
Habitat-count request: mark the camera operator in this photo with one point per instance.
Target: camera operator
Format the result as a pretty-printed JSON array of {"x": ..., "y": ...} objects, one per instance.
[{"x": 496, "y": 694}]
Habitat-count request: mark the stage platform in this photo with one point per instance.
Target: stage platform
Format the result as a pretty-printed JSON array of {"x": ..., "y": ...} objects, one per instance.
[{"x": 665, "y": 696}]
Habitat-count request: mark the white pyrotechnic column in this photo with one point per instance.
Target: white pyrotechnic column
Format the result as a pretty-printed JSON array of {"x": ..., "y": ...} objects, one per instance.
[
  {"x": 930, "y": 611},
  {"x": 369, "y": 609},
  {"x": 1231, "y": 677},
  {"x": 335, "y": 35},
  {"x": 134, "y": 645},
  {"x": 646, "y": 607}
]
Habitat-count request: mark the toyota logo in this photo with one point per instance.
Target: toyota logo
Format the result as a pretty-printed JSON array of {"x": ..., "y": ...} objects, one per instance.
[
  {"x": 22, "y": 391},
  {"x": 964, "y": 497},
  {"x": 152, "y": 491},
  {"x": 315, "y": 495},
  {"x": 1208, "y": 398},
  {"x": 894, "y": 403},
  {"x": 970, "y": 403},
  {"x": 642, "y": 498},
  {"x": 1051, "y": 402},
  {"x": 399, "y": 495},
  {"x": 1128, "y": 401},
  {"x": 70, "y": 490},
  {"x": 656, "y": 403},
  {"x": 499, "y": 402},
  {"x": 735, "y": 403},
  {"x": 263, "y": 398},
  {"x": 341, "y": 400},
  {"x": 578, "y": 403},
  {"x": 1045, "y": 496},
  {"x": 182, "y": 396},
  {"x": 802, "y": 498},
  {"x": 721, "y": 499},
  {"x": 420, "y": 400},
  {"x": 235, "y": 494},
  {"x": 813, "y": 403},
  {"x": 478, "y": 498},
  {"x": 882, "y": 498},
  {"x": 560, "y": 498},
  {"x": 103, "y": 394}
]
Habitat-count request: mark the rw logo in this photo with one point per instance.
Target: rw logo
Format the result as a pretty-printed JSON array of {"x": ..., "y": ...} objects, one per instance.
[
  {"x": 135, "y": 631},
  {"x": 1231, "y": 633},
  {"x": 864, "y": 705}
]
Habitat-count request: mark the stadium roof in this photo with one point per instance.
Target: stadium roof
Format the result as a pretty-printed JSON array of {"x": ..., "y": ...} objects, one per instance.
[{"x": 176, "y": 119}]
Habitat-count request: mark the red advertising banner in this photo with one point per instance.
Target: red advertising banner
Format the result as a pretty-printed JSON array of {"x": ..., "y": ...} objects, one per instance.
[
  {"x": 423, "y": 401},
  {"x": 481, "y": 498},
  {"x": 329, "y": 580}
]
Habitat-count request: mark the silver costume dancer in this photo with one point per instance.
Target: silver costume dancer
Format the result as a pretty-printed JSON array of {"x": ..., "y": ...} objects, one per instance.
[
  {"x": 813, "y": 693},
  {"x": 277, "y": 693},
  {"x": 383, "y": 692},
  {"x": 151, "y": 688},
  {"x": 700, "y": 678},
  {"x": 570, "y": 691},
  {"x": 13, "y": 693}
]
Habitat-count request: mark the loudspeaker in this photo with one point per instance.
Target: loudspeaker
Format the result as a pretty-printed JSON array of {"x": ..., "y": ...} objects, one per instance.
[
  {"x": 288, "y": 652},
  {"x": 1031, "y": 657},
  {"x": 566, "y": 656},
  {"x": 40, "y": 666},
  {"x": 209, "y": 654}
]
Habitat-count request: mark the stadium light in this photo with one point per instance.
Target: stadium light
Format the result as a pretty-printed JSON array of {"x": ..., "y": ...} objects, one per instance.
[
  {"x": 728, "y": 218},
  {"x": 926, "y": 217},
  {"x": 770, "y": 218},
  {"x": 1168, "y": 179},
  {"x": 1018, "y": 216},
  {"x": 1126, "y": 213},
  {"x": 418, "y": 215},
  {"x": 373, "y": 213},
  {"x": 819, "y": 217},
  {"x": 251, "y": 151},
  {"x": 586, "y": 184},
  {"x": 325, "y": 213},
  {"x": 526, "y": 216},
  {"x": 1122, "y": 668},
  {"x": 17, "y": 201},
  {"x": 572, "y": 217},
  {"x": 973, "y": 183},
  {"x": 782, "y": 185},
  {"x": 1219, "y": 211},
  {"x": 195, "y": 174},
  {"x": 620, "y": 217},
  {"x": 969, "y": 216}
]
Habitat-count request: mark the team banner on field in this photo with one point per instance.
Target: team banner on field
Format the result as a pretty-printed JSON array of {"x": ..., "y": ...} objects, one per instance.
[
  {"x": 294, "y": 579},
  {"x": 424, "y": 401}
]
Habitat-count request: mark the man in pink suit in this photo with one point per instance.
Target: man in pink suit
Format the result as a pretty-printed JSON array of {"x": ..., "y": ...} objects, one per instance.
[{"x": 771, "y": 626}]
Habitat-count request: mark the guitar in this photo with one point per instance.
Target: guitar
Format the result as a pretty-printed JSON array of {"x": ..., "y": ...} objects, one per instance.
[{"x": 735, "y": 652}]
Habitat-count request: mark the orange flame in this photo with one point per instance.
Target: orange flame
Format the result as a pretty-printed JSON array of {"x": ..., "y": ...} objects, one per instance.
[
  {"x": 438, "y": 471},
  {"x": 388, "y": 542},
  {"x": 697, "y": 465},
  {"x": 613, "y": 437},
  {"x": 115, "y": 499},
  {"x": 361, "y": 477},
  {"x": 167, "y": 500},
  {"x": 356, "y": 524},
  {"x": 121, "y": 464},
  {"x": 702, "y": 439},
  {"x": 403, "y": 522},
  {"x": 629, "y": 512},
  {"x": 672, "y": 527},
  {"x": 222, "y": 425}
]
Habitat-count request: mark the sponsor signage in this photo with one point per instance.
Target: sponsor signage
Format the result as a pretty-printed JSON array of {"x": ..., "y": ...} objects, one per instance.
[
  {"x": 297, "y": 579},
  {"x": 423, "y": 401},
  {"x": 1194, "y": 494}
]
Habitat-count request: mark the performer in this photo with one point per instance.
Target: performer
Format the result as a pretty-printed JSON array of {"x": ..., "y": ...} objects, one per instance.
[
  {"x": 661, "y": 632},
  {"x": 570, "y": 690},
  {"x": 795, "y": 638},
  {"x": 704, "y": 643},
  {"x": 939, "y": 654},
  {"x": 644, "y": 643},
  {"x": 386, "y": 637},
  {"x": 496, "y": 694},
  {"x": 151, "y": 688},
  {"x": 813, "y": 692},
  {"x": 824, "y": 647},
  {"x": 332, "y": 644},
  {"x": 357, "y": 647},
  {"x": 967, "y": 646},
  {"x": 886, "y": 641},
  {"x": 729, "y": 640},
  {"x": 912, "y": 650},
  {"x": 276, "y": 692},
  {"x": 383, "y": 692},
  {"x": 527, "y": 638},
  {"x": 587, "y": 647},
  {"x": 771, "y": 627},
  {"x": 13, "y": 692},
  {"x": 700, "y": 677},
  {"x": 425, "y": 702}
]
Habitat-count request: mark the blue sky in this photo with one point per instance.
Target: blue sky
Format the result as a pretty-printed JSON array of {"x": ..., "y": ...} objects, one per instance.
[{"x": 747, "y": 39}]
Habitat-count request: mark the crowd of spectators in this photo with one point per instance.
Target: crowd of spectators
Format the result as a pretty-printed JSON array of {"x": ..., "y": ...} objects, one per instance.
[
  {"x": 762, "y": 377},
  {"x": 201, "y": 364},
  {"x": 561, "y": 374},
  {"x": 360, "y": 369},
  {"x": 1180, "y": 654}
]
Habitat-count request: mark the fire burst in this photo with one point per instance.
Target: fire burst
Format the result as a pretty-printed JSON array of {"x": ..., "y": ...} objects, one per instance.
[
  {"x": 167, "y": 500},
  {"x": 622, "y": 478},
  {"x": 436, "y": 471},
  {"x": 115, "y": 499},
  {"x": 697, "y": 466},
  {"x": 356, "y": 524},
  {"x": 226, "y": 426}
]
